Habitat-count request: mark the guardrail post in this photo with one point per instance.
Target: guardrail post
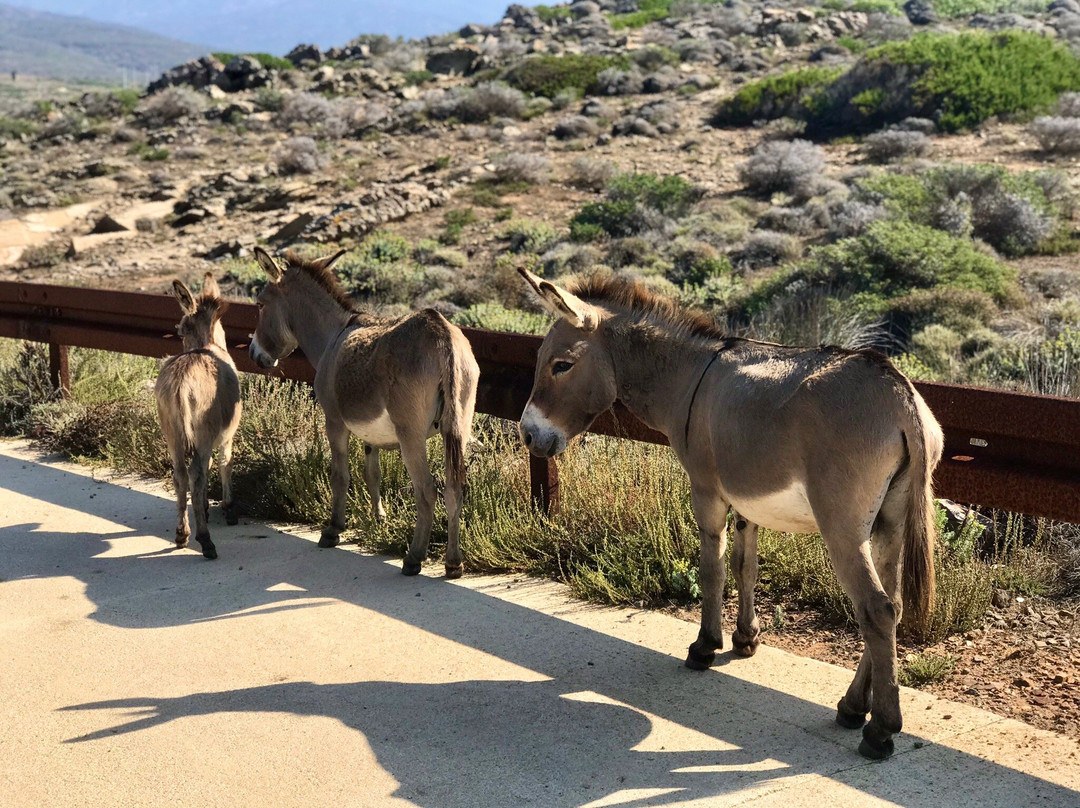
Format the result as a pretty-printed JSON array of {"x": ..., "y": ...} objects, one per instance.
[
  {"x": 59, "y": 372},
  {"x": 544, "y": 482}
]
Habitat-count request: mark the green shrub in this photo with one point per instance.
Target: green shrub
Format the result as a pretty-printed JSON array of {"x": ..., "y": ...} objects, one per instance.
[
  {"x": 384, "y": 247},
  {"x": 648, "y": 11},
  {"x": 785, "y": 96},
  {"x": 671, "y": 195},
  {"x": 616, "y": 218},
  {"x": 959, "y": 80},
  {"x": 265, "y": 59},
  {"x": 415, "y": 78},
  {"x": 951, "y": 9},
  {"x": 924, "y": 669},
  {"x": 549, "y": 13},
  {"x": 12, "y": 128},
  {"x": 890, "y": 259},
  {"x": 496, "y": 317},
  {"x": 550, "y": 75},
  {"x": 528, "y": 236}
]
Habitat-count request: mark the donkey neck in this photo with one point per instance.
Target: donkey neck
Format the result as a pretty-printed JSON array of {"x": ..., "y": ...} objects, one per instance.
[
  {"x": 314, "y": 317},
  {"x": 657, "y": 371}
]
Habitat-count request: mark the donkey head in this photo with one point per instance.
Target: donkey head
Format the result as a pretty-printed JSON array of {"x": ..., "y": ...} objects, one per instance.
[
  {"x": 274, "y": 338},
  {"x": 201, "y": 324},
  {"x": 575, "y": 375}
]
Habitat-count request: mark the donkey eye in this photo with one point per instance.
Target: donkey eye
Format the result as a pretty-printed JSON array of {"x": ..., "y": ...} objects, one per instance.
[{"x": 561, "y": 367}]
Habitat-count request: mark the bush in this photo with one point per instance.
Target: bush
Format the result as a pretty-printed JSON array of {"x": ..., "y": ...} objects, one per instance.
[
  {"x": 766, "y": 248},
  {"x": 590, "y": 174},
  {"x": 647, "y": 11},
  {"x": 958, "y": 80},
  {"x": 550, "y": 75},
  {"x": 171, "y": 105},
  {"x": 619, "y": 81},
  {"x": 889, "y": 260},
  {"x": 696, "y": 263},
  {"x": 792, "y": 166},
  {"x": 783, "y": 96},
  {"x": 896, "y": 144},
  {"x": 479, "y": 104},
  {"x": 516, "y": 167},
  {"x": 575, "y": 126},
  {"x": 299, "y": 155},
  {"x": 1057, "y": 135},
  {"x": 495, "y": 317},
  {"x": 331, "y": 117},
  {"x": 671, "y": 195},
  {"x": 616, "y": 219},
  {"x": 527, "y": 236},
  {"x": 267, "y": 60}
]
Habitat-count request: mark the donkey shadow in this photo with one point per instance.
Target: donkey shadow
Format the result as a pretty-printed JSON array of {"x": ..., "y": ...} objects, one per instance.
[{"x": 476, "y": 743}]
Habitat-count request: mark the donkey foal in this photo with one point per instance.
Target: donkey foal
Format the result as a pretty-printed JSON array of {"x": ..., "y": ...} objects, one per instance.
[{"x": 198, "y": 402}]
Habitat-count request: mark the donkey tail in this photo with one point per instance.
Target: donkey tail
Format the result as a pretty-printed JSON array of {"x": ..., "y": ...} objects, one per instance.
[
  {"x": 460, "y": 374},
  {"x": 925, "y": 443}
]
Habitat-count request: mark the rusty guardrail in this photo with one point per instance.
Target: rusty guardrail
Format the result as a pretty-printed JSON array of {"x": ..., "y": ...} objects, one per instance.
[{"x": 1013, "y": 451}]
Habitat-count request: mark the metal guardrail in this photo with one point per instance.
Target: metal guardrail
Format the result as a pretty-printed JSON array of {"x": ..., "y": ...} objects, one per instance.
[{"x": 1013, "y": 451}]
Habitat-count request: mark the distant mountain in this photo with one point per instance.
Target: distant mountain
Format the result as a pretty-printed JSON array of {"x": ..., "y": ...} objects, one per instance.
[
  {"x": 275, "y": 26},
  {"x": 65, "y": 47}
]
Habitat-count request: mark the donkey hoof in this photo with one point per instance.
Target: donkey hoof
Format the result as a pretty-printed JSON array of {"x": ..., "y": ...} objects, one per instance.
[
  {"x": 699, "y": 660},
  {"x": 410, "y": 567},
  {"x": 231, "y": 517},
  {"x": 454, "y": 572},
  {"x": 329, "y": 538},
  {"x": 181, "y": 540},
  {"x": 875, "y": 750},
  {"x": 208, "y": 548},
  {"x": 744, "y": 645},
  {"x": 849, "y": 719}
]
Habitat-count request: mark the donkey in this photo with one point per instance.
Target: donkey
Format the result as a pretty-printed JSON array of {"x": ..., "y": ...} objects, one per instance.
[
  {"x": 392, "y": 383},
  {"x": 794, "y": 439},
  {"x": 198, "y": 403}
]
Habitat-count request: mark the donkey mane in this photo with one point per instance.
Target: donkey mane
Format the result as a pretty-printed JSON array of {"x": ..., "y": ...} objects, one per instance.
[
  {"x": 211, "y": 305},
  {"x": 631, "y": 295},
  {"x": 324, "y": 278}
]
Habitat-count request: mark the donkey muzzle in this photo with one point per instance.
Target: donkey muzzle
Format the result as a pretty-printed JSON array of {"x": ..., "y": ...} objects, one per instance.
[{"x": 539, "y": 435}]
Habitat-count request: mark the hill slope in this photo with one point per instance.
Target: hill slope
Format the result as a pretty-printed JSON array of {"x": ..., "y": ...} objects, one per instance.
[{"x": 58, "y": 46}]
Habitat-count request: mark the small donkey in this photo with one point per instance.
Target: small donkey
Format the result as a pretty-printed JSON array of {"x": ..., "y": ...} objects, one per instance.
[{"x": 198, "y": 401}]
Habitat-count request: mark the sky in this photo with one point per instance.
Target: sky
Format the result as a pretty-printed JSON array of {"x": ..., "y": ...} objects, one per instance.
[{"x": 275, "y": 26}]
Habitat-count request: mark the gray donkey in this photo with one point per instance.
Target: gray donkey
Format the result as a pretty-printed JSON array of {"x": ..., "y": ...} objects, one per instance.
[
  {"x": 794, "y": 439},
  {"x": 198, "y": 403}
]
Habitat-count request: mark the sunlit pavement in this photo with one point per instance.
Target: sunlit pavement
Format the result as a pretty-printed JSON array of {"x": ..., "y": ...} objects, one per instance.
[{"x": 135, "y": 674}]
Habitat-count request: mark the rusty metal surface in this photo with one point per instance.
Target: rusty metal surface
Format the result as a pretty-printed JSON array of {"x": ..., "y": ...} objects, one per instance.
[{"x": 1005, "y": 450}]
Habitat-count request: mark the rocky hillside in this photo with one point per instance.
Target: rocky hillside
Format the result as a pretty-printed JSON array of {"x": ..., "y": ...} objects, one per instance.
[{"x": 856, "y": 172}]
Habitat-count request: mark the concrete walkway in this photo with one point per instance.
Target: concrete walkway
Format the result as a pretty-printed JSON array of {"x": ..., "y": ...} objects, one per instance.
[{"x": 133, "y": 674}]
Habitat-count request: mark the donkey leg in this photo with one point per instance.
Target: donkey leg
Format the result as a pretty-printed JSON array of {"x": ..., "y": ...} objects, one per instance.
[
  {"x": 338, "y": 435},
  {"x": 200, "y": 502},
  {"x": 876, "y": 614},
  {"x": 414, "y": 455},
  {"x": 180, "y": 483},
  {"x": 372, "y": 481},
  {"x": 710, "y": 510},
  {"x": 228, "y": 505},
  {"x": 453, "y": 497},
  {"x": 744, "y": 559}
]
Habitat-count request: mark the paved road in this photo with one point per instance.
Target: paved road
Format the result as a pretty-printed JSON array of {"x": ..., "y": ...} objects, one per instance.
[{"x": 133, "y": 674}]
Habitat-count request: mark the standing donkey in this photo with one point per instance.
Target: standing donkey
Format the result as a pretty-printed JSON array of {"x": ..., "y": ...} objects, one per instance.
[
  {"x": 198, "y": 402},
  {"x": 794, "y": 439},
  {"x": 392, "y": 383}
]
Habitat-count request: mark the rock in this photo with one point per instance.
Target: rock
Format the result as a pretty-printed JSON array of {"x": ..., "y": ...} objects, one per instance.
[
  {"x": 920, "y": 12},
  {"x": 472, "y": 29},
  {"x": 1000, "y": 599},
  {"x": 584, "y": 8},
  {"x": 107, "y": 224},
  {"x": 198, "y": 73},
  {"x": 830, "y": 52},
  {"x": 1065, "y": 5},
  {"x": 233, "y": 249},
  {"x": 305, "y": 54},
  {"x": 526, "y": 19},
  {"x": 189, "y": 217},
  {"x": 1020, "y": 681},
  {"x": 461, "y": 61},
  {"x": 243, "y": 73}
]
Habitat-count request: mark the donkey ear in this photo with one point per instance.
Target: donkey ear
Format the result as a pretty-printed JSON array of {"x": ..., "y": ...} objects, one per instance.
[
  {"x": 562, "y": 303},
  {"x": 183, "y": 297},
  {"x": 271, "y": 267},
  {"x": 210, "y": 286},
  {"x": 328, "y": 261}
]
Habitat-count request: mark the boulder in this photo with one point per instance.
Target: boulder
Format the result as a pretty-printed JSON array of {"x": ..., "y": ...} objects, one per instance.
[
  {"x": 198, "y": 73},
  {"x": 243, "y": 73},
  {"x": 305, "y": 54},
  {"x": 460, "y": 61},
  {"x": 920, "y": 12}
]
